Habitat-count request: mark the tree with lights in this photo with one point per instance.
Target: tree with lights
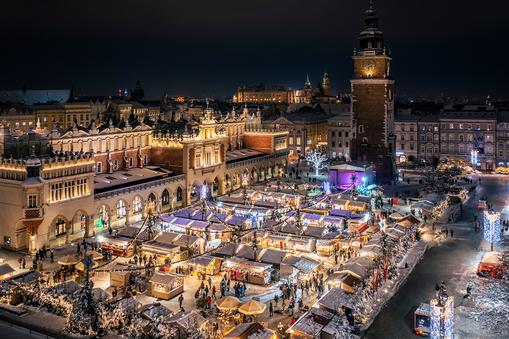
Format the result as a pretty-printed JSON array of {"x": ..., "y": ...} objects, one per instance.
[{"x": 318, "y": 160}]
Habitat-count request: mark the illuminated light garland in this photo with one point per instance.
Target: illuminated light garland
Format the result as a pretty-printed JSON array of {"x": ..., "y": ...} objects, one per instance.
[{"x": 492, "y": 227}]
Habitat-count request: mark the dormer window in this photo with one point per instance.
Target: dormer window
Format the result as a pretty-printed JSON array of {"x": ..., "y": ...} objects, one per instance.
[{"x": 361, "y": 129}]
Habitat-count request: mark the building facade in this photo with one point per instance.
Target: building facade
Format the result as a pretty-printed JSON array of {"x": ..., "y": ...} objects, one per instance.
[
  {"x": 429, "y": 139},
  {"x": 341, "y": 133},
  {"x": 112, "y": 175},
  {"x": 308, "y": 130},
  {"x": 468, "y": 135},
  {"x": 406, "y": 139}
]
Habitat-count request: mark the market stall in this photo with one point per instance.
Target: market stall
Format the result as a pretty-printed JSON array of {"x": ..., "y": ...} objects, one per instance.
[
  {"x": 117, "y": 245},
  {"x": 206, "y": 265},
  {"x": 329, "y": 243},
  {"x": 166, "y": 286},
  {"x": 119, "y": 275},
  {"x": 162, "y": 251},
  {"x": 6, "y": 271},
  {"x": 249, "y": 271}
]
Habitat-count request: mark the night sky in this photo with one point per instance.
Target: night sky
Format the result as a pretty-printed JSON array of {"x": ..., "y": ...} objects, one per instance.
[{"x": 209, "y": 47}]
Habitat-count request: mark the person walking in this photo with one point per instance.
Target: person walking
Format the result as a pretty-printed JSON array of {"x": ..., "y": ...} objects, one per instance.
[
  {"x": 452, "y": 233},
  {"x": 271, "y": 309},
  {"x": 51, "y": 255},
  {"x": 181, "y": 300}
]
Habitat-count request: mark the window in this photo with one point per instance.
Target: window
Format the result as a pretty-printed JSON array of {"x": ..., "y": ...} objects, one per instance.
[
  {"x": 121, "y": 209},
  {"x": 137, "y": 207},
  {"x": 99, "y": 167},
  {"x": 402, "y": 147},
  {"x": 339, "y": 134},
  {"x": 333, "y": 134},
  {"x": 115, "y": 165},
  {"x": 402, "y": 137},
  {"x": 333, "y": 144},
  {"x": 411, "y": 146},
  {"x": 346, "y": 134},
  {"x": 165, "y": 198},
  {"x": 197, "y": 160},
  {"x": 290, "y": 140},
  {"x": 130, "y": 162},
  {"x": 179, "y": 194},
  {"x": 59, "y": 227},
  {"x": 361, "y": 129},
  {"x": 298, "y": 141},
  {"x": 346, "y": 143},
  {"x": 32, "y": 201}
]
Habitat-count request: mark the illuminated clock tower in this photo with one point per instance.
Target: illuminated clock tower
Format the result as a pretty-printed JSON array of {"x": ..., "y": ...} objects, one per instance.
[{"x": 373, "y": 100}]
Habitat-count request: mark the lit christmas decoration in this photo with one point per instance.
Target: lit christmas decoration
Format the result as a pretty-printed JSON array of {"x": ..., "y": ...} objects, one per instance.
[
  {"x": 326, "y": 187},
  {"x": 203, "y": 192},
  {"x": 442, "y": 316},
  {"x": 492, "y": 227},
  {"x": 318, "y": 160},
  {"x": 473, "y": 156}
]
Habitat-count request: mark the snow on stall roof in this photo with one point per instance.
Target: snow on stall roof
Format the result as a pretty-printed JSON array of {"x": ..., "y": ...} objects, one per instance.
[
  {"x": 6, "y": 269},
  {"x": 167, "y": 237},
  {"x": 228, "y": 250},
  {"x": 316, "y": 232},
  {"x": 312, "y": 322},
  {"x": 335, "y": 299},
  {"x": 271, "y": 256},
  {"x": 203, "y": 260}
]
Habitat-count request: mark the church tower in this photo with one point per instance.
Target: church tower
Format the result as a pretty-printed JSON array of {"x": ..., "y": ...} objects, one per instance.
[
  {"x": 308, "y": 91},
  {"x": 373, "y": 100},
  {"x": 326, "y": 84}
]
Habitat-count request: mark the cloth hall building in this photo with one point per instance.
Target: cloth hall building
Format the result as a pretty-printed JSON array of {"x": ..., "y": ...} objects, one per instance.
[{"x": 111, "y": 175}]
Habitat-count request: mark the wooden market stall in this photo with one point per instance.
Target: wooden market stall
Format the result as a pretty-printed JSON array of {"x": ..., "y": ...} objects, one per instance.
[
  {"x": 6, "y": 271},
  {"x": 249, "y": 271},
  {"x": 166, "y": 285},
  {"x": 117, "y": 245},
  {"x": 206, "y": 264},
  {"x": 119, "y": 275},
  {"x": 162, "y": 251}
]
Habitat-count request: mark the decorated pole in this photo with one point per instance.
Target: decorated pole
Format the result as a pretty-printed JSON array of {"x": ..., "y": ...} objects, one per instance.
[{"x": 492, "y": 227}]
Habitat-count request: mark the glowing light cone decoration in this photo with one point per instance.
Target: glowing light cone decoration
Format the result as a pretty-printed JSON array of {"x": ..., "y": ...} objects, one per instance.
[
  {"x": 492, "y": 227},
  {"x": 442, "y": 317},
  {"x": 326, "y": 187},
  {"x": 203, "y": 192},
  {"x": 473, "y": 156}
]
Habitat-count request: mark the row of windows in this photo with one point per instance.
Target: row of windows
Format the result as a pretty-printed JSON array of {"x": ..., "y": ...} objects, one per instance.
[
  {"x": 69, "y": 189},
  {"x": 478, "y": 127},
  {"x": 467, "y": 137},
  {"x": 462, "y": 149},
  {"x": 340, "y": 144},
  {"x": 116, "y": 164},
  {"x": 333, "y": 134}
]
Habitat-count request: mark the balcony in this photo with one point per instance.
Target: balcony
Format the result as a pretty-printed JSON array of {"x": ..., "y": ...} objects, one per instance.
[{"x": 34, "y": 213}]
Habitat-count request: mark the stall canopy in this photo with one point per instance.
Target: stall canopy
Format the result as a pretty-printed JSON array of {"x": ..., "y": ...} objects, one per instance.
[
  {"x": 252, "y": 307},
  {"x": 203, "y": 260},
  {"x": 302, "y": 264},
  {"x": 271, "y": 256},
  {"x": 68, "y": 260},
  {"x": 228, "y": 303},
  {"x": 246, "y": 252},
  {"x": 236, "y": 220},
  {"x": 6, "y": 270},
  {"x": 226, "y": 250},
  {"x": 341, "y": 213},
  {"x": 336, "y": 299},
  {"x": 315, "y": 232},
  {"x": 163, "y": 279},
  {"x": 166, "y": 237}
]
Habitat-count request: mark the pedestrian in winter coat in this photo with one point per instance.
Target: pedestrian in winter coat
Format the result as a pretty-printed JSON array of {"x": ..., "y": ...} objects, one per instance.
[
  {"x": 271, "y": 309},
  {"x": 181, "y": 300},
  {"x": 51, "y": 256}
]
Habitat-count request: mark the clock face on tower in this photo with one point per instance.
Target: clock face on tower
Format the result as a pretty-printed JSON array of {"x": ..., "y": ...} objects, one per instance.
[{"x": 369, "y": 67}]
